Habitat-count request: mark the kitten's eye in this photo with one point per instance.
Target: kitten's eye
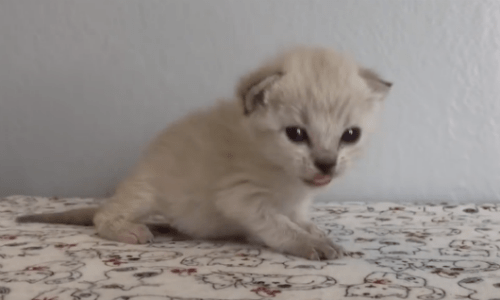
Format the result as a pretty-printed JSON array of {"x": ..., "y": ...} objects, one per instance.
[
  {"x": 351, "y": 135},
  {"x": 297, "y": 134}
]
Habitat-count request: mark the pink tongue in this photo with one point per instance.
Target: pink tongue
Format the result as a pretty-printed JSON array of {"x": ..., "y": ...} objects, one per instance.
[{"x": 321, "y": 179}]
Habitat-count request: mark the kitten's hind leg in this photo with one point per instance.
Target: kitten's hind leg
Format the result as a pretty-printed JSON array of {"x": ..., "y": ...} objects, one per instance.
[{"x": 118, "y": 219}]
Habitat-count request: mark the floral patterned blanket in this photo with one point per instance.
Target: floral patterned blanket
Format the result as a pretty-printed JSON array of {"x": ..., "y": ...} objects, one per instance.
[{"x": 395, "y": 252}]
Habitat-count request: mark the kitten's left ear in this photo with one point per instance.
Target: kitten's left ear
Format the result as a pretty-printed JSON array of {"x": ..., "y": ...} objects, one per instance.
[
  {"x": 253, "y": 89},
  {"x": 379, "y": 86}
]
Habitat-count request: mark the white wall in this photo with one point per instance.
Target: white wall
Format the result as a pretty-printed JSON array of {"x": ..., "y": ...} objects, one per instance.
[{"x": 85, "y": 84}]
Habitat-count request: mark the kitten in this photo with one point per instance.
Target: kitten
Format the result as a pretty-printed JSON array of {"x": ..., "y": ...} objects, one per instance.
[{"x": 250, "y": 166}]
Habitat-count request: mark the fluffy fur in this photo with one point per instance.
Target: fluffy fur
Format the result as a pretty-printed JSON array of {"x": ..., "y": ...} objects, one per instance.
[{"x": 233, "y": 169}]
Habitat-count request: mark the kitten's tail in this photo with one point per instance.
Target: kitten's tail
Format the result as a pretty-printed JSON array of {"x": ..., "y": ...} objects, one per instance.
[{"x": 82, "y": 216}]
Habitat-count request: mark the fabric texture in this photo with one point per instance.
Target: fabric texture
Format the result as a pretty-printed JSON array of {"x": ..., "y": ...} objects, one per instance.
[{"x": 395, "y": 251}]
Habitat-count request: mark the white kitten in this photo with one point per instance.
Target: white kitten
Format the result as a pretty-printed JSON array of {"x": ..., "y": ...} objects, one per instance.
[{"x": 250, "y": 166}]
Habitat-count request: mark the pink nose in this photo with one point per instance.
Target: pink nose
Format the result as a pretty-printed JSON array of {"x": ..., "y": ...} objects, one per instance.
[{"x": 325, "y": 166}]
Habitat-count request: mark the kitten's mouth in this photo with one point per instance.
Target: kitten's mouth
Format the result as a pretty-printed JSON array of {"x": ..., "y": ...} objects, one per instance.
[{"x": 319, "y": 180}]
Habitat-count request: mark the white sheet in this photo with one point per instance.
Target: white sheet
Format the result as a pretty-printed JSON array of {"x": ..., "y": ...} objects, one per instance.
[{"x": 395, "y": 252}]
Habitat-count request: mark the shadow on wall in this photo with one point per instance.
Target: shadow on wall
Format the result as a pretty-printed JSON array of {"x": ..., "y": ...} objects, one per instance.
[{"x": 100, "y": 122}]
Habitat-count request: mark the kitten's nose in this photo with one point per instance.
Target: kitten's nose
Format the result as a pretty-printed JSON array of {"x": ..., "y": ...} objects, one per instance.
[{"x": 325, "y": 166}]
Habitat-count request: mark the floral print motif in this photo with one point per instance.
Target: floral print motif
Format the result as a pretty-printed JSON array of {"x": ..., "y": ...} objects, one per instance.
[{"x": 396, "y": 251}]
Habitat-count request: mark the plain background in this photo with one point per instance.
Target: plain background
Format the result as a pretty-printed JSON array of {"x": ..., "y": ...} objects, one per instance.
[{"x": 84, "y": 85}]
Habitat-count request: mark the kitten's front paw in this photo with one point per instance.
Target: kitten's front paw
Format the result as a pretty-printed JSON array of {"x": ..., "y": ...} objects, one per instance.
[
  {"x": 314, "y": 230},
  {"x": 316, "y": 249}
]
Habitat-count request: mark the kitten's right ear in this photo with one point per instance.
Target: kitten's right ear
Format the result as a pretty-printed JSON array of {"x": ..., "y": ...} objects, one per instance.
[
  {"x": 379, "y": 86},
  {"x": 253, "y": 89}
]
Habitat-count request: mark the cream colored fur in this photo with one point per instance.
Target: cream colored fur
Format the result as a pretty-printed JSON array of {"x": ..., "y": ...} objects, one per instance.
[{"x": 231, "y": 170}]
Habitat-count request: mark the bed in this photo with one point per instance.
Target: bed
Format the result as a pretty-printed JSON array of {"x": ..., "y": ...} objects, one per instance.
[{"x": 395, "y": 251}]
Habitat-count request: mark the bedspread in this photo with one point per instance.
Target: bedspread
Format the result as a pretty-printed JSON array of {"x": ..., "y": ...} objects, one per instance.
[{"x": 394, "y": 251}]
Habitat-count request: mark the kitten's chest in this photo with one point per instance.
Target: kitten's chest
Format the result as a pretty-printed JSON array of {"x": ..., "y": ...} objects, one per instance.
[{"x": 291, "y": 198}]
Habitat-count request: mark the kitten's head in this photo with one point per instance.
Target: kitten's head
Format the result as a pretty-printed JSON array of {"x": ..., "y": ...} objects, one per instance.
[{"x": 311, "y": 110}]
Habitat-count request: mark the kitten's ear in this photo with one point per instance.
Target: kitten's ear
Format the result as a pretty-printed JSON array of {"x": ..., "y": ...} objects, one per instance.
[
  {"x": 379, "y": 86},
  {"x": 253, "y": 89}
]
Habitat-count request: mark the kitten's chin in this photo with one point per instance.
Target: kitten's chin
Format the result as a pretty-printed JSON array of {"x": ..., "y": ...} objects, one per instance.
[{"x": 319, "y": 180}]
